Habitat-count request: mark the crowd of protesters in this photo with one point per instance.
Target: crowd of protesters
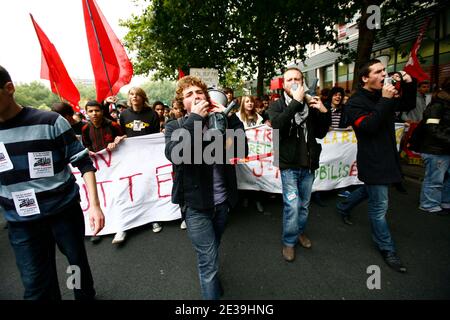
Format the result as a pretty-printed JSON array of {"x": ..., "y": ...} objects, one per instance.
[{"x": 371, "y": 112}]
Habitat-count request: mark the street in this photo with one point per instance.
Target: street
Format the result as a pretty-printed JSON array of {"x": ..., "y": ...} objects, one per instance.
[{"x": 163, "y": 266}]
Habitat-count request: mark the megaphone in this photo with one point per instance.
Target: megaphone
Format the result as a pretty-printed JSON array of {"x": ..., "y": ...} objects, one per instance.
[
  {"x": 311, "y": 92},
  {"x": 218, "y": 120}
]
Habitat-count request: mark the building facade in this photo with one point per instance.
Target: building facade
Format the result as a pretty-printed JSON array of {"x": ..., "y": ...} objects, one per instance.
[{"x": 393, "y": 49}]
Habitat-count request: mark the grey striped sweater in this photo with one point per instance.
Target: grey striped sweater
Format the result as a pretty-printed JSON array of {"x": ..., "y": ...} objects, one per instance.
[{"x": 32, "y": 132}]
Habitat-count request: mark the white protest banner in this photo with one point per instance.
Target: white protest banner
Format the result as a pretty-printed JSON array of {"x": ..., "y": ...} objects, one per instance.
[
  {"x": 209, "y": 76},
  {"x": 134, "y": 184},
  {"x": 337, "y": 164},
  {"x": 259, "y": 174}
]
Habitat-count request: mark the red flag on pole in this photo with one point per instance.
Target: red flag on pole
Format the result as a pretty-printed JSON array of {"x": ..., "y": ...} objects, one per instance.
[
  {"x": 180, "y": 73},
  {"x": 53, "y": 69},
  {"x": 413, "y": 67},
  {"x": 110, "y": 63}
]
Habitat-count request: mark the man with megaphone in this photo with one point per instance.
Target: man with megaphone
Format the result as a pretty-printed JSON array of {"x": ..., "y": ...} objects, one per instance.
[
  {"x": 204, "y": 184},
  {"x": 300, "y": 118}
]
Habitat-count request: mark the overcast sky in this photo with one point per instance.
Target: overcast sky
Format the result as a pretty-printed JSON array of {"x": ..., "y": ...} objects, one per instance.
[{"x": 63, "y": 23}]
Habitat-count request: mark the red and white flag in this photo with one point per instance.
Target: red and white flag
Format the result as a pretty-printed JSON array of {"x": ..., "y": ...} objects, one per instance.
[
  {"x": 110, "y": 63},
  {"x": 53, "y": 69},
  {"x": 412, "y": 67}
]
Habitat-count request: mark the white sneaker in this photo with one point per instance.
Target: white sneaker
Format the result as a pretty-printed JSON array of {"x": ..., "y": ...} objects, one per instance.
[
  {"x": 183, "y": 225},
  {"x": 156, "y": 227},
  {"x": 119, "y": 237}
]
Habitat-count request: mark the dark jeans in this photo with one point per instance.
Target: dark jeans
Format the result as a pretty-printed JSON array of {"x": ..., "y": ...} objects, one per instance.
[
  {"x": 205, "y": 229},
  {"x": 378, "y": 198},
  {"x": 34, "y": 242}
]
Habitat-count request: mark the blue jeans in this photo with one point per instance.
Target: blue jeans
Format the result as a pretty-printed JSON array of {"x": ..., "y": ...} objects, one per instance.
[
  {"x": 435, "y": 193},
  {"x": 356, "y": 197},
  {"x": 205, "y": 229},
  {"x": 378, "y": 196},
  {"x": 297, "y": 186},
  {"x": 34, "y": 242}
]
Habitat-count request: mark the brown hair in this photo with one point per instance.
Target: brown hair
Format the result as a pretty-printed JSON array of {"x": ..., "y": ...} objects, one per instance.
[
  {"x": 140, "y": 92},
  {"x": 93, "y": 103},
  {"x": 189, "y": 81},
  {"x": 242, "y": 113},
  {"x": 364, "y": 70}
]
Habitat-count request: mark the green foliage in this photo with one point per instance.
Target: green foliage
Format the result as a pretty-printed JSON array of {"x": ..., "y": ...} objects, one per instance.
[
  {"x": 394, "y": 13},
  {"x": 160, "y": 90},
  {"x": 257, "y": 36},
  {"x": 35, "y": 94},
  {"x": 87, "y": 92},
  {"x": 171, "y": 35},
  {"x": 233, "y": 79}
]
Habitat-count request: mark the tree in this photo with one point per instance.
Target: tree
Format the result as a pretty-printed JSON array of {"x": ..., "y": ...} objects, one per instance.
[
  {"x": 35, "y": 95},
  {"x": 257, "y": 36},
  {"x": 163, "y": 91},
  {"x": 87, "y": 92},
  {"x": 268, "y": 34},
  {"x": 391, "y": 11},
  {"x": 171, "y": 35}
]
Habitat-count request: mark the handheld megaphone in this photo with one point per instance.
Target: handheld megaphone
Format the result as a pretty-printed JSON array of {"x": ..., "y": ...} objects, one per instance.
[
  {"x": 218, "y": 120},
  {"x": 311, "y": 92}
]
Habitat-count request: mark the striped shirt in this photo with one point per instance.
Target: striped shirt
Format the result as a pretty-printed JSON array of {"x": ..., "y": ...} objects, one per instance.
[
  {"x": 336, "y": 115},
  {"x": 32, "y": 138},
  {"x": 96, "y": 139}
]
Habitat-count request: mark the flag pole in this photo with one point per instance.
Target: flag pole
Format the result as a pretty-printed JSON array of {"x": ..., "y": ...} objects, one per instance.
[
  {"x": 57, "y": 91},
  {"x": 99, "y": 46}
]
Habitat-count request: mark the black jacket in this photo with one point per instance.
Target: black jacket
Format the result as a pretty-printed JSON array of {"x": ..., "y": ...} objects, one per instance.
[
  {"x": 372, "y": 118},
  {"x": 193, "y": 183},
  {"x": 291, "y": 137},
  {"x": 432, "y": 136}
]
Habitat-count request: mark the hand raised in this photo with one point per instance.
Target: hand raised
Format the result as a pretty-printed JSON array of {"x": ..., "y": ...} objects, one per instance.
[
  {"x": 200, "y": 107},
  {"x": 388, "y": 91},
  {"x": 299, "y": 93},
  {"x": 316, "y": 103}
]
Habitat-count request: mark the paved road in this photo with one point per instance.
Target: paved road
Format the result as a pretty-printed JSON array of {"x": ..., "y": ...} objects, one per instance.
[{"x": 162, "y": 266}]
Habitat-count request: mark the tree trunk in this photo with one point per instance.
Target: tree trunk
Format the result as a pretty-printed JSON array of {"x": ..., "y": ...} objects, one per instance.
[
  {"x": 261, "y": 75},
  {"x": 366, "y": 39}
]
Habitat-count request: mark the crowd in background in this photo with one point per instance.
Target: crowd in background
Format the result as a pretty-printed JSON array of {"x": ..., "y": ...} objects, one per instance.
[
  {"x": 371, "y": 112},
  {"x": 252, "y": 111}
]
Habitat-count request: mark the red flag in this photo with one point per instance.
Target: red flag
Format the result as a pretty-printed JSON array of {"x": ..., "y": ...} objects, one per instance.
[
  {"x": 53, "y": 69},
  {"x": 180, "y": 73},
  {"x": 412, "y": 67},
  {"x": 110, "y": 63}
]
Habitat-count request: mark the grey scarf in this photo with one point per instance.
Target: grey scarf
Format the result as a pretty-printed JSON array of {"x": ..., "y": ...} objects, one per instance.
[{"x": 300, "y": 117}]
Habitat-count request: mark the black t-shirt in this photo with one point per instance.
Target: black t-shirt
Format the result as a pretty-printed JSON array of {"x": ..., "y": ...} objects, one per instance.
[{"x": 139, "y": 123}]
